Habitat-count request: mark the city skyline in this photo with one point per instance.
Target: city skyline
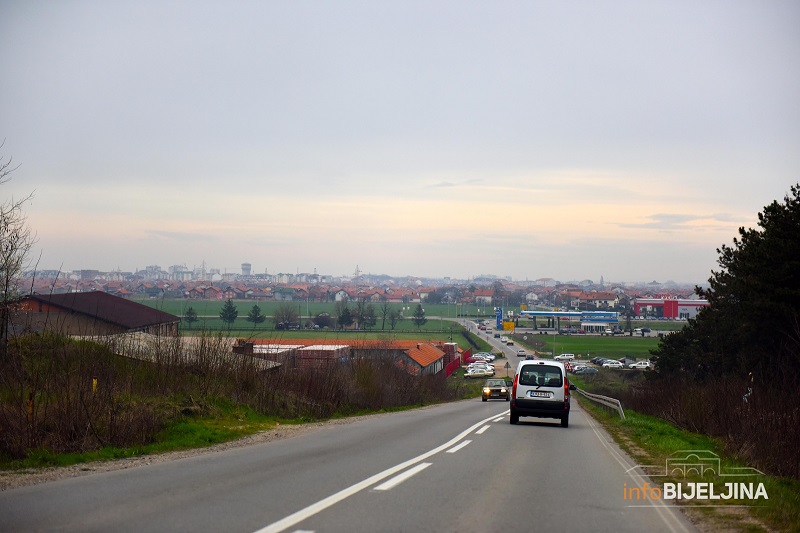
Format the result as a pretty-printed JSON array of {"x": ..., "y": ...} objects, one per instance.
[
  {"x": 358, "y": 277},
  {"x": 447, "y": 138}
]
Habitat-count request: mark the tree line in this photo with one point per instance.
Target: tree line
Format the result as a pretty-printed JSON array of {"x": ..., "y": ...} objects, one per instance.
[{"x": 361, "y": 315}]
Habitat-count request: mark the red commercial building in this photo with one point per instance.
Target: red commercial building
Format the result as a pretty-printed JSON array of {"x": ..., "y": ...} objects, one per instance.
[{"x": 670, "y": 308}]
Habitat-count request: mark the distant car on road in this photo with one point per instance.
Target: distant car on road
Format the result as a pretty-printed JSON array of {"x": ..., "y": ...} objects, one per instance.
[
  {"x": 521, "y": 353},
  {"x": 565, "y": 357},
  {"x": 496, "y": 388}
]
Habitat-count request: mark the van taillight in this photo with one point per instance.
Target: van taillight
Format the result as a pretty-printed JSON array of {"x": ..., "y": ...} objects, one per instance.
[{"x": 566, "y": 389}]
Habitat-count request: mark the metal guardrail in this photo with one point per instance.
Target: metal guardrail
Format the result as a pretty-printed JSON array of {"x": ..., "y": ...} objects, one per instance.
[{"x": 604, "y": 400}]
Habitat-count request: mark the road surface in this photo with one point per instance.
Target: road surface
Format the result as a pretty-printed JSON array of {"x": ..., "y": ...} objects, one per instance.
[{"x": 453, "y": 467}]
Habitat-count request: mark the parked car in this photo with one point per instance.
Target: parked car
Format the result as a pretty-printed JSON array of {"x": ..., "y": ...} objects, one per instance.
[
  {"x": 586, "y": 370},
  {"x": 641, "y": 365},
  {"x": 612, "y": 364},
  {"x": 541, "y": 389},
  {"x": 475, "y": 373},
  {"x": 646, "y": 330},
  {"x": 488, "y": 369},
  {"x": 496, "y": 388}
]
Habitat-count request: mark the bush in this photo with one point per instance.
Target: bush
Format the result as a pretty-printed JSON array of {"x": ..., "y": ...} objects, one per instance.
[{"x": 66, "y": 396}]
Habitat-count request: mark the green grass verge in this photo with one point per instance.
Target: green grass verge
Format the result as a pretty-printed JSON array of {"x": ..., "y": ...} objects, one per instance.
[
  {"x": 588, "y": 346},
  {"x": 225, "y": 422},
  {"x": 649, "y": 441}
]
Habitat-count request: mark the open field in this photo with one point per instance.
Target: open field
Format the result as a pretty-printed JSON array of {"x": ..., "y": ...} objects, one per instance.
[
  {"x": 440, "y": 316},
  {"x": 588, "y": 346}
]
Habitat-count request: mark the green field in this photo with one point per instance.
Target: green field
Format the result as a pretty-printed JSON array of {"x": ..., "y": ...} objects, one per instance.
[
  {"x": 442, "y": 312},
  {"x": 589, "y": 346},
  {"x": 438, "y": 326}
]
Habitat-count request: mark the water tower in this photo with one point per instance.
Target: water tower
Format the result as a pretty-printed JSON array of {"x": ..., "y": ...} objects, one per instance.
[{"x": 246, "y": 269}]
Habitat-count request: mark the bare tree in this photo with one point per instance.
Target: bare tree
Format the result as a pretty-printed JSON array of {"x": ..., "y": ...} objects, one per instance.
[
  {"x": 384, "y": 308},
  {"x": 286, "y": 313},
  {"x": 16, "y": 242}
]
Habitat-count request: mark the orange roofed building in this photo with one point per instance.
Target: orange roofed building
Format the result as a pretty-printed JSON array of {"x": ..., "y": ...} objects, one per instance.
[{"x": 415, "y": 357}]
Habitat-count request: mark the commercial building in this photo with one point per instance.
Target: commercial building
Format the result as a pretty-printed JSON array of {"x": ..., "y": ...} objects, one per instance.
[{"x": 669, "y": 308}]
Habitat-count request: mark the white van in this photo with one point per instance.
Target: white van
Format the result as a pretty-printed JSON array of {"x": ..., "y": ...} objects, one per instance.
[
  {"x": 565, "y": 357},
  {"x": 542, "y": 389}
]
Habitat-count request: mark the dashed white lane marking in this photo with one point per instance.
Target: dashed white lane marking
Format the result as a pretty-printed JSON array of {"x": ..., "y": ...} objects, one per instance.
[
  {"x": 297, "y": 517},
  {"x": 396, "y": 480},
  {"x": 456, "y": 448}
]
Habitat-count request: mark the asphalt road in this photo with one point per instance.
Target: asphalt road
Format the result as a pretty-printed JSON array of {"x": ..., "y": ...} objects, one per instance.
[{"x": 453, "y": 467}]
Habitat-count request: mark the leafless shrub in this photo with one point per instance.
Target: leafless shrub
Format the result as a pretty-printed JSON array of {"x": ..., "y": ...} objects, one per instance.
[
  {"x": 758, "y": 424},
  {"x": 68, "y": 395}
]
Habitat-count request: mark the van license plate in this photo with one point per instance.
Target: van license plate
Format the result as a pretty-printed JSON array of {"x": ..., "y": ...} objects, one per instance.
[{"x": 539, "y": 394}]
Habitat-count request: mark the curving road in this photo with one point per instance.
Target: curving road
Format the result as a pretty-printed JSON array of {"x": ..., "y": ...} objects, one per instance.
[{"x": 453, "y": 467}]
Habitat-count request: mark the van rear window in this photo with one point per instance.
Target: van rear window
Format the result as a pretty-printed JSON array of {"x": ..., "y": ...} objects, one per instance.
[{"x": 541, "y": 376}]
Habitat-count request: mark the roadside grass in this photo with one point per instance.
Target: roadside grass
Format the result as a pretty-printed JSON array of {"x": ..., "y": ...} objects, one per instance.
[
  {"x": 650, "y": 441},
  {"x": 224, "y": 422}
]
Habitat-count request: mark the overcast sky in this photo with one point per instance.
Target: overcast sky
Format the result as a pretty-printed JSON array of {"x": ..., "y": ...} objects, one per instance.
[{"x": 530, "y": 139}]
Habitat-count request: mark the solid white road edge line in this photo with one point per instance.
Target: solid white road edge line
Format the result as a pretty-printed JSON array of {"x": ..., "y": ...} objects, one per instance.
[
  {"x": 480, "y": 431},
  {"x": 667, "y": 515},
  {"x": 396, "y": 480},
  {"x": 314, "y": 508}
]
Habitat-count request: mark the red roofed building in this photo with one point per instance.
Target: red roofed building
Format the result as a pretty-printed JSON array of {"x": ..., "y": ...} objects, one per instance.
[{"x": 89, "y": 313}]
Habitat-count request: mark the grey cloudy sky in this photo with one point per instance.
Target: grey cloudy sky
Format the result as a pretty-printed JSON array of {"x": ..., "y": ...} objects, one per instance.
[{"x": 529, "y": 139}]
